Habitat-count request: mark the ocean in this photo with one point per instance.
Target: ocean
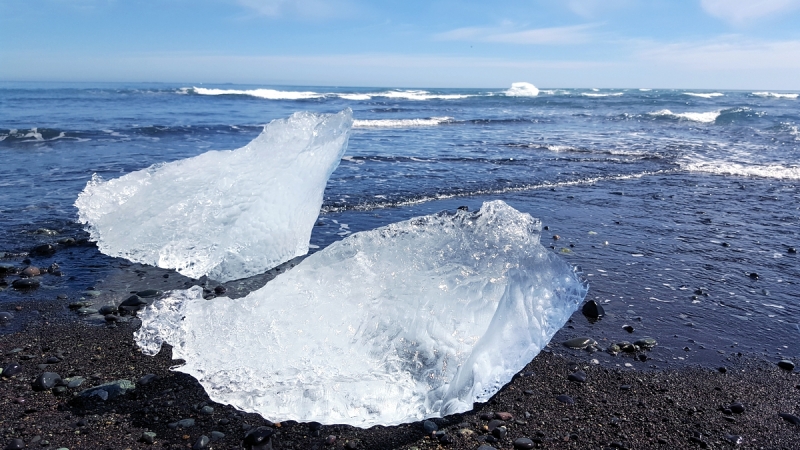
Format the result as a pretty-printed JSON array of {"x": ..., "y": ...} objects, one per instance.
[{"x": 680, "y": 207}]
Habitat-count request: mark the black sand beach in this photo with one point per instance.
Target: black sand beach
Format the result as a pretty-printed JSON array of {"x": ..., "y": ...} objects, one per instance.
[{"x": 616, "y": 406}]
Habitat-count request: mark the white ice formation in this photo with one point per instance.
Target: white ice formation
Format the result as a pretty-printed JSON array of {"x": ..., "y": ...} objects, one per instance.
[
  {"x": 226, "y": 214},
  {"x": 522, "y": 89},
  {"x": 416, "y": 319}
]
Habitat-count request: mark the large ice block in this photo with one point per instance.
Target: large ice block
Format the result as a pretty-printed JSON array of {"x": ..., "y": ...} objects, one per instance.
[
  {"x": 413, "y": 320},
  {"x": 226, "y": 214}
]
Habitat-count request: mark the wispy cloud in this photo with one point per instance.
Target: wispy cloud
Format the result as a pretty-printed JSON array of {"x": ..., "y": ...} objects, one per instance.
[
  {"x": 311, "y": 9},
  {"x": 725, "y": 53},
  {"x": 508, "y": 34},
  {"x": 740, "y": 12}
]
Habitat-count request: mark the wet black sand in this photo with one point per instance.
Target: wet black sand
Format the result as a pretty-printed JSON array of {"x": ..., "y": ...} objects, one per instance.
[{"x": 616, "y": 407}]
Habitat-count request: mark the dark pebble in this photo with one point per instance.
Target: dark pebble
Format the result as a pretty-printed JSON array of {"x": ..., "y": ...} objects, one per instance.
[
  {"x": 330, "y": 440},
  {"x": 107, "y": 309},
  {"x": 133, "y": 301},
  {"x": 628, "y": 328},
  {"x": 725, "y": 244},
  {"x": 753, "y": 275},
  {"x": 217, "y": 435},
  {"x": 580, "y": 342},
  {"x": 593, "y": 310},
  {"x": 646, "y": 343},
  {"x": 429, "y": 427},
  {"x": 11, "y": 369},
  {"x": 201, "y": 443},
  {"x": 219, "y": 290},
  {"x": 145, "y": 380},
  {"x": 786, "y": 364},
  {"x": 15, "y": 444},
  {"x": 494, "y": 424},
  {"x": 641, "y": 357},
  {"x": 258, "y": 438},
  {"x": 148, "y": 437},
  {"x": 500, "y": 433},
  {"x": 487, "y": 415},
  {"x": 523, "y": 444},
  {"x": 44, "y": 250},
  {"x": 444, "y": 439},
  {"x": 5, "y": 316},
  {"x": 147, "y": 293},
  {"x": 791, "y": 418},
  {"x": 737, "y": 408},
  {"x": 579, "y": 376},
  {"x": 25, "y": 283},
  {"x": 565, "y": 399},
  {"x": 722, "y": 369},
  {"x": 792, "y": 250}
]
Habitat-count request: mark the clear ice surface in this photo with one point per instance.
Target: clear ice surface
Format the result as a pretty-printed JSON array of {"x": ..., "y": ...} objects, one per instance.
[
  {"x": 413, "y": 320},
  {"x": 226, "y": 214}
]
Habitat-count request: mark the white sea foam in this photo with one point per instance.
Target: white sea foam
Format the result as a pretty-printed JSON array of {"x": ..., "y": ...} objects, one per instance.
[
  {"x": 704, "y": 94},
  {"x": 269, "y": 94},
  {"x": 522, "y": 89},
  {"x": 775, "y": 95},
  {"x": 645, "y": 90},
  {"x": 597, "y": 95},
  {"x": 272, "y": 94},
  {"x": 775, "y": 171},
  {"x": 419, "y": 95},
  {"x": 702, "y": 117},
  {"x": 401, "y": 123}
]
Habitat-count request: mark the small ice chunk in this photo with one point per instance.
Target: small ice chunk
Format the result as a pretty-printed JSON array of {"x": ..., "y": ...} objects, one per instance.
[
  {"x": 413, "y": 320},
  {"x": 226, "y": 214}
]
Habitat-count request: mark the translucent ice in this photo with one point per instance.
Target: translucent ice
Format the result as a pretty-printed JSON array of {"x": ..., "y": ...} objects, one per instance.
[
  {"x": 226, "y": 214},
  {"x": 416, "y": 319}
]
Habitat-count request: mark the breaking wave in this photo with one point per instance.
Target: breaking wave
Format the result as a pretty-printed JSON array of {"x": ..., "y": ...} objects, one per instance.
[
  {"x": 272, "y": 94},
  {"x": 401, "y": 123},
  {"x": 597, "y": 94},
  {"x": 522, "y": 89},
  {"x": 775, "y": 95},
  {"x": 775, "y": 171},
  {"x": 704, "y": 94},
  {"x": 702, "y": 117}
]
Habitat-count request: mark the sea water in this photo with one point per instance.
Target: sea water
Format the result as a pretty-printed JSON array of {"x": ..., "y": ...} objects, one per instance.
[{"x": 667, "y": 200}]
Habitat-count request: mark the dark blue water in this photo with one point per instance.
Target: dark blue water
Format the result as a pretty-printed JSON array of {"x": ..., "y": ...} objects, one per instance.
[{"x": 653, "y": 193}]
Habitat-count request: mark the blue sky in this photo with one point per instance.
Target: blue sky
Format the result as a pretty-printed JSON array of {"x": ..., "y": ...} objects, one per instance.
[{"x": 713, "y": 44}]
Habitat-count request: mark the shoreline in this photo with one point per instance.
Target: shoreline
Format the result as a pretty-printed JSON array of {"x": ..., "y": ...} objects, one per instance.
[{"x": 616, "y": 407}]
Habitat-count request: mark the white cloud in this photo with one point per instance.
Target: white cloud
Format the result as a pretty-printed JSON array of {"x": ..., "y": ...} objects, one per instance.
[
  {"x": 575, "y": 34},
  {"x": 312, "y": 9},
  {"x": 739, "y": 12},
  {"x": 727, "y": 53}
]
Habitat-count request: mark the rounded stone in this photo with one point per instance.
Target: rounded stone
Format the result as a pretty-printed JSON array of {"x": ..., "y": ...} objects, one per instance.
[
  {"x": 628, "y": 328},
  {"x": 133, "y": 301},
  {"x": 258, "y": 436},
  {"x": 646, "y": 342},
  {"x": 25, "y": 283},
  {"x": 11, "y": 369},
  {"x": 579, "y": 376},
  {"x": 565, "y": 399},
  {"x": 792, "y": 250},
  {"x": 753, "y": 275},
  {"x": 786, "y": 364},
  {"x": 580, "y": 342},
  {"x": 593, "y": 310},
  {"x": 791, "y": 418},
  {"x": 429, "y": 426},
  {"x": 523, "y": 444},
  {"x": 15, "y": 444},
  {"x": 737, "y": 408},
  {"x": 201, "y": 443},
  {"x": 148, "y": 437},
  {"x": 219, "y": 290},
  {"x": 31, "y": 271},
  {"x": 5, "y": 316},
  {"x": 500, "y": 433},
  {"x": 147, "y": 293},
  {"x": 44, "y": 250}
]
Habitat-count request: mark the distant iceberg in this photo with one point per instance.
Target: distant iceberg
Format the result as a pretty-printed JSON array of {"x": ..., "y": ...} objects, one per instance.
[
  {"x": 417, "y": 319},
  {"x": 522, "y": 89},
  {"x": 226, "y": 214}
]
